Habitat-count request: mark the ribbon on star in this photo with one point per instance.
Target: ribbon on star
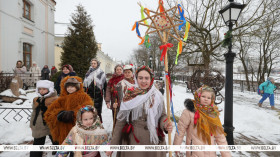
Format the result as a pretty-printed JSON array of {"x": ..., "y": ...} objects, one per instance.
[
  {"x": 142, "y": 15},
  {"x": 147, "y": 41},
  {"x": 167, "y": 75},
  {"x": 164, "y": 50},
  {"x": 188, "y": 25},
  {"x": 136, "y": 26},
  {"x": 179, "y": 50},
  {"x": 182, "y": 17}
]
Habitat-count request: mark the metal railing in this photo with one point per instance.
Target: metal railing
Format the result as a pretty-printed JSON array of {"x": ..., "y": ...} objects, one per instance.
[
  {"x": 12, "y": 114},
  {"x": 28, "y": 79}
]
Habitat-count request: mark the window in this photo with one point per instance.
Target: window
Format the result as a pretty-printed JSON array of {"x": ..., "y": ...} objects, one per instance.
[
  {"x": 27, "y": 55},
  {"x": 26, "y": 10}
]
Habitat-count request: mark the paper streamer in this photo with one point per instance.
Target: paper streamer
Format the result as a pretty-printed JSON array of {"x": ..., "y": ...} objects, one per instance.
[
  {"x": 143, "y": 16},
  {"x": 179, "y": 51},
  {"x": 182, "y": 17}
]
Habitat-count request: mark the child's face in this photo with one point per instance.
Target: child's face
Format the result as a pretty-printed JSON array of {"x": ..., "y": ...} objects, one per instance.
[
  {"x": 87, "y": 118},
  {"x": 205, "y": 98},
  {"x": 71, "y": 89},
  {"x": 43, "y": 91}
]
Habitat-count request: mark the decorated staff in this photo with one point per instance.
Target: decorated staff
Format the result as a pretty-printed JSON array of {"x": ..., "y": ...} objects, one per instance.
[{"x": 162, "y": 21}]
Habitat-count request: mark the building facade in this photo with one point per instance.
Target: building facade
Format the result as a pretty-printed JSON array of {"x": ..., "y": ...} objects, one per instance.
[
  {"x": 107, "y": 63},
  {"x": 26, "y": 33}
]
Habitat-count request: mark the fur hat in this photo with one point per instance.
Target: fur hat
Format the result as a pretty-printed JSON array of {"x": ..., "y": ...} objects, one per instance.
[
  {"x": 128, "y": 67},
  {"x": 45, "y": 84},
  {"x": 73, "y": 82}
]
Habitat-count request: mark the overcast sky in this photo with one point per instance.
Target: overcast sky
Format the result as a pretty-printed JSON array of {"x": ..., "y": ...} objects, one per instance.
[{"x": 113, "y": 20}]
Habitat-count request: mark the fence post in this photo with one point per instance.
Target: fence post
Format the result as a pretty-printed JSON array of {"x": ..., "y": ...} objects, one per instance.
[{"x": 242, "y": 86}]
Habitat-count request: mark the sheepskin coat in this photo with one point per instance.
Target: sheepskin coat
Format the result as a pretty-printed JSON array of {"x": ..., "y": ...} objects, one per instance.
[{"x": 39, "y": 129}]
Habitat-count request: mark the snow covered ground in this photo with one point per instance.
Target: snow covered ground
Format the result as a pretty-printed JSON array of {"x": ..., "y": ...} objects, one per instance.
[{"x": 253, "y": 125}]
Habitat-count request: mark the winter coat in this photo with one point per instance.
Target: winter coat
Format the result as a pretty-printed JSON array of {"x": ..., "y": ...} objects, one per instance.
[
  {"x": 39, "y": 127},
  {"x": 66, "y": 102},
  {"x": 267, "y": 87},
  {"x": 58, "y": 81},
  {"x": 45, "y": 73},
  {"x": 53, "y": 71},
  {"x": 97, "y": 95},
  {"x": 142, "y": 133},
  {"x": 35, "y": 73},
  {"x": 21, "y": 70},
  {"x": 110, "y": 95},
  {"x": 186, "y": 125}
]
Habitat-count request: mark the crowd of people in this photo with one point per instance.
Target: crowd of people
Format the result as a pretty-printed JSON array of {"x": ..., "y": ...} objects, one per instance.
[
  {"x": 35, "y": 73},
  {"x": 69, "y": 112}
]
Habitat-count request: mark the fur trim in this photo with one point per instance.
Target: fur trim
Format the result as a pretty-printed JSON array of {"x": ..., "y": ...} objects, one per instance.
[
  {"x": 45, "y": 84},
  {"x": 189, "y": 105}
]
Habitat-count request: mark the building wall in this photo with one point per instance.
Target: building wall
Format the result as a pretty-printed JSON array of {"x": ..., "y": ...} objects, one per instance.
[
  {"x": 107, "y": 63},
  {"x": 16, "y": 30},
  {"x": 57, "y": 50}
]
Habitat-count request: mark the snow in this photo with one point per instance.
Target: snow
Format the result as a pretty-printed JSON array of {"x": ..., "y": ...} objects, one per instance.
[
  {"x": 249, "y": 120},
  {"x": 17, "y": 102},
  {"x": 9, "y": 93}
]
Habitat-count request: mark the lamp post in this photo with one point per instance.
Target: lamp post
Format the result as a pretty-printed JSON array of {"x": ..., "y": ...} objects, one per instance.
[
  {"x": 150, "y": 63},
  {"x": 230, "y": 14}
]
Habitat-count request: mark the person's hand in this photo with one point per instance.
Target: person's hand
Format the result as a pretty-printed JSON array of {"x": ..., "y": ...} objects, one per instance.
[
  {"x": 109, "y": 153},
  {"x": 65, "y": 116},
  {"x": 115, "y": 105},
  {"x": 262, "y": 91},
  {"x": 108, "y": 105},
  {"x": 168, "y": 126}
]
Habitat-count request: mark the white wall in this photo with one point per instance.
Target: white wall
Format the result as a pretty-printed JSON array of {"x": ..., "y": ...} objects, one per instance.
[{"x": 13, "y": 33}]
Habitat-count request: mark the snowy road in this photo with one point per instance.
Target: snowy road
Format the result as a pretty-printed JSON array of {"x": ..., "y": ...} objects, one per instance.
[{"x": 253, "y": 125}]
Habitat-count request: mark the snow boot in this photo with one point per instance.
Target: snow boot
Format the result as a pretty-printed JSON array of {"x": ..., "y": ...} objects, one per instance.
[
  {"x": 260, "y": 104},
  {"x": 273, "y": 108}
]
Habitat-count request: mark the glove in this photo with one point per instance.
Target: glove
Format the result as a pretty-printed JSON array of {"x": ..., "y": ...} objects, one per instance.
[{"x": 65, "y": 116}]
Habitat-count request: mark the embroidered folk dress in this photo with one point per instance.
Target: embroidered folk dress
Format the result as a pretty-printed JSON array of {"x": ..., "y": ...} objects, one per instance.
[
  {"x": 82, "y": 135},
  {"x": 142, "y": 119}
]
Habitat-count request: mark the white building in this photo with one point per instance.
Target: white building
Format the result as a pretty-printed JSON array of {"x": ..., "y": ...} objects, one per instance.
[
  {"x": 26, "y": 33},
  {"x": 107, "y": 63}
]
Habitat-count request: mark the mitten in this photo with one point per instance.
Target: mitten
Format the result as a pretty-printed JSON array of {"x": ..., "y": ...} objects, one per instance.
[{"x": 66, "y": 116}]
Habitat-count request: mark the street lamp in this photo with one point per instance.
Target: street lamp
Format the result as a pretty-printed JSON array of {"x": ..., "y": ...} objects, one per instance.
[
  {"x": 150, "y": 63},
  {"x": 143, "y": 62},
  {"x": 230, "y": 14}
]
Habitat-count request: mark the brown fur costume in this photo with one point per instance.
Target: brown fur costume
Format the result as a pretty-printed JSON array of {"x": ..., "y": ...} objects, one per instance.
[{"x": 67, "y": 102}]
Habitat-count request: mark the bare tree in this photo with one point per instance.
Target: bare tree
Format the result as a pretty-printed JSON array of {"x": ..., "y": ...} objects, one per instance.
[{"x": 261, "y": 40}]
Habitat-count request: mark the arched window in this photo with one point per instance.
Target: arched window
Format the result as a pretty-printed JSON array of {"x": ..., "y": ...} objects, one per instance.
[{"x": 27, "y": 55}]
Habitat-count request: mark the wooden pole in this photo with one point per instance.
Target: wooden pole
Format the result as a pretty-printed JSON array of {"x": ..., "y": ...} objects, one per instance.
[
  {"x": 115, "y": 113},
  {"x": 167, "y": 90}
]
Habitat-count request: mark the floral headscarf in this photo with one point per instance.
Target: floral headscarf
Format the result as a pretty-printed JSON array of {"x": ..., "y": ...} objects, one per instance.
[
  {"x": 96, "y": 123},
  {"x": 133, "y": 92},
  {"x": 206, "y": 117}
]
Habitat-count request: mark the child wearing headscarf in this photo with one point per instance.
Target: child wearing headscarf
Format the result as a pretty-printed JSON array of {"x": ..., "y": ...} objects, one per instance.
[
  {"x": 202, "y": 124},
  {"x": 87, "y": 131}
]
